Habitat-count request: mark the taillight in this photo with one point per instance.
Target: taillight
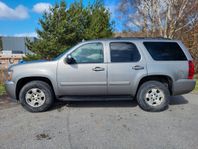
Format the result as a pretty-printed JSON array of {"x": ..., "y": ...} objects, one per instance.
[{"x": 191, "y": 70}]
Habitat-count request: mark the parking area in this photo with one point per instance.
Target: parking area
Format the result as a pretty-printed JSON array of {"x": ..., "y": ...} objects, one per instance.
[{"x": 101, "y": 124}]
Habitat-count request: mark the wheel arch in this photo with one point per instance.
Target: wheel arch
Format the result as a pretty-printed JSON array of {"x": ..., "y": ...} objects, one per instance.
[
  {"x": 21, "y": 82},
  {"x": 167, "y": 80}
]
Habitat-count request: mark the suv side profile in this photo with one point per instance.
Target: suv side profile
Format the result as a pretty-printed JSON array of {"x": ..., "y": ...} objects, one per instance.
[{"x": 147, "y": 69}]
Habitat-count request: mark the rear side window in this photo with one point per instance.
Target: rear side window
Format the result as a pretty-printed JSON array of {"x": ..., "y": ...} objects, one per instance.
[
  {"x": 165, "y": 51},
  {"x": 124, "y": 52}
]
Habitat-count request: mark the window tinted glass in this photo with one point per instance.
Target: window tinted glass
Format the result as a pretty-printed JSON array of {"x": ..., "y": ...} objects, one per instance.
[
  {"x": 124, "y": 52},
  {"x": 165, "y": 51},
  {"x": 89, "y": 53}
]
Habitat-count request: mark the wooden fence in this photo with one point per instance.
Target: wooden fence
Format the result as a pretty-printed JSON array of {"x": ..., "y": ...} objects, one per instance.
[{"x": 5, "y": 62}]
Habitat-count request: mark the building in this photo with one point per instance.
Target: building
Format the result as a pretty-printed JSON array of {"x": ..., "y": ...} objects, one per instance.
[
  {"x": 14, "y": 45},
  {"x": 12, "y": 50}
]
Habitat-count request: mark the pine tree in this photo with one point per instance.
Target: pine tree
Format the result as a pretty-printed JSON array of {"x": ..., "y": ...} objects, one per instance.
[{"x": 64, "y": 27}]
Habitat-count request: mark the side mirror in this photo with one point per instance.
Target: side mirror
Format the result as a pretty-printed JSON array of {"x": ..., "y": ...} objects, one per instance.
[{"x": 70, "y": 60}]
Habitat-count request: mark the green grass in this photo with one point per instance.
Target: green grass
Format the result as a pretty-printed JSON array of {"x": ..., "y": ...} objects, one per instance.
[
  {"x": 2, "y": 89},
  {"x": 196, "y": 87}
]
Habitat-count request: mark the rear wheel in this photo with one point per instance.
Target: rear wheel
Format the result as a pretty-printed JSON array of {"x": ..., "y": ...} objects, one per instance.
[
  {"x": 36, "y": 96},
  {"x": 153, "y": 96}
]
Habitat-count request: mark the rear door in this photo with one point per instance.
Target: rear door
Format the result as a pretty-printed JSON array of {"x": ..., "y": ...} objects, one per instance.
[{"x": 126, "y": 66}]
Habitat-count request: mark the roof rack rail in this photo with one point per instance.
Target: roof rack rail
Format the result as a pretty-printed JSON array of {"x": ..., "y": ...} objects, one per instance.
[{"x": 119, "y": 37}]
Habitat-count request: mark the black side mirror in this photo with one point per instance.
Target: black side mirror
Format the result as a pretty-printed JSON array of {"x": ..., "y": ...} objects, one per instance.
[{"x": 70, "y": 60}]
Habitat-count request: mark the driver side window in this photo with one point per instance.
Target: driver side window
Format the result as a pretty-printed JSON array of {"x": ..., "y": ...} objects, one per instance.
[{"x": 89, "y": 53}]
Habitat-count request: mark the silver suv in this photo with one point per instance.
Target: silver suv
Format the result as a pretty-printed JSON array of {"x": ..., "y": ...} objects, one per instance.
[{"x": 149, "y": 70}]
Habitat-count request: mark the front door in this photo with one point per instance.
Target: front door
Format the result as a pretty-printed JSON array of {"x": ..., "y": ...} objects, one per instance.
[{"x": 88, "y": 75}]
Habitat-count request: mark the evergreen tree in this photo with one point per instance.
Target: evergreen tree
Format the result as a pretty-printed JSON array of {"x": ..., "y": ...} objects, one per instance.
[{"x": 64, "y": 27}]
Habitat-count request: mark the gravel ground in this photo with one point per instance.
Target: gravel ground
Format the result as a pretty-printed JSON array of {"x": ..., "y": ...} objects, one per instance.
[{"x": 98, "y": 125}]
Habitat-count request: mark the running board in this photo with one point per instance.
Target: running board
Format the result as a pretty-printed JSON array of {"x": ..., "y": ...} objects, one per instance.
[{"x": 94, "y": 98}]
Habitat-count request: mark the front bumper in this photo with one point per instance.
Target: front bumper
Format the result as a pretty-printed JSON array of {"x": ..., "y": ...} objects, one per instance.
[
  {"x": 183, "y": 86},
  {"x": 10, "y": 87}
]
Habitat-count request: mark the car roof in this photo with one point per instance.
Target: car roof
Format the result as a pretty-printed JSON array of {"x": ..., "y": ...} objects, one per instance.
[{"x": 162, "y": 39}]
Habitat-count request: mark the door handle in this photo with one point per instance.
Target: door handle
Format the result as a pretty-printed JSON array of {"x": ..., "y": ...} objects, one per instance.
[
  {"x": 98, "y": 69},
  {"x": 137, "y": 67}
]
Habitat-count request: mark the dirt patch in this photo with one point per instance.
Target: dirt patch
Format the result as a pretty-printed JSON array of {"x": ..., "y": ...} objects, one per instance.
[
  {"x": 43, "y": 136},
  {"x": 61, "y": 106}
]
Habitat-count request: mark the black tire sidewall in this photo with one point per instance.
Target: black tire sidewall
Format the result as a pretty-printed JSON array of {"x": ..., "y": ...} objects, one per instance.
[
  {"x": 142, "y": 93},
  {"x": 42, "y": 86}
]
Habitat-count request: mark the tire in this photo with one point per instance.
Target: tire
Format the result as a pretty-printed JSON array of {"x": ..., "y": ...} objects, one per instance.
[
  {"x": 153, "y": 96},
  {"x": 36, "y": 96}
]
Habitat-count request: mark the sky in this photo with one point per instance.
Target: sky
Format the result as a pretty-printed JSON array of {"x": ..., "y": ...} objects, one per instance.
[{"x": 20, "y": 17}]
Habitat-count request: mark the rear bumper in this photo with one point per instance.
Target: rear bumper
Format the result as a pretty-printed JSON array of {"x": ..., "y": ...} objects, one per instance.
[
  {"x": 183, "y": 86},
  {"x": 10, "y": 87}
]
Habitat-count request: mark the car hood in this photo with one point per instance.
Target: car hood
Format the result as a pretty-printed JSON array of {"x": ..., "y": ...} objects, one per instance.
[
  {"x": 34, "y": 61},
  {"x": 25, "y": 63}
]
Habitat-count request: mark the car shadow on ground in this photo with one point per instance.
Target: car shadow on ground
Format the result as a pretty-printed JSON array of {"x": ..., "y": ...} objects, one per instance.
[
  {"x": 175, "y": 100},
  {"x": 5, "y": 102},
  {"x": 95, "y": 104},
  {"x": 178, "y": 100}
]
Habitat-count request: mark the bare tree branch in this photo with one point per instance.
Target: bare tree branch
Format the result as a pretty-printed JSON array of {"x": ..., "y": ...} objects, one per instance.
[{"x": 160, "y": 17}]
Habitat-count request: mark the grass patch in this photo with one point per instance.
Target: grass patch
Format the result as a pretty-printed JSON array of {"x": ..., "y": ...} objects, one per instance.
[
  {"x": 2, "y": 89},
  {"x": 196, "y": 87}
]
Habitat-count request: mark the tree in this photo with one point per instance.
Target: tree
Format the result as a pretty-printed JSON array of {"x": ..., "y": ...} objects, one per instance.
[
  {"x": 99, "y": 22},
  {"x": 165, "y": 18},
  {"x": 191, "y": 41},
  {"x": 63, "y": 27}
]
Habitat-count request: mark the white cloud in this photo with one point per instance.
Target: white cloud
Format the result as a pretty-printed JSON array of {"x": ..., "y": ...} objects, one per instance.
[
  {"x": 41, "y": 7},
  {"x": 31, "y": 34},
  {"x": 20, "y": 12}
]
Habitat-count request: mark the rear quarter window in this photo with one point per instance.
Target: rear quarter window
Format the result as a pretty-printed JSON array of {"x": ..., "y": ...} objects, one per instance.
[{"x": 165, "y": 51}]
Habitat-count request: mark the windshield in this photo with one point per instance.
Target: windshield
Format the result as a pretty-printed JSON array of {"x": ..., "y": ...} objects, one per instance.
[
  {"x": 66, "y": 50},
  {"x": 59, "y": 56}
]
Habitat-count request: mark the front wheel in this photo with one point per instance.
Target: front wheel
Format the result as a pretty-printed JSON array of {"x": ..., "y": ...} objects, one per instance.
[
  {"x": 36, "y": 96},
  {"x": 153, "y": 96}
]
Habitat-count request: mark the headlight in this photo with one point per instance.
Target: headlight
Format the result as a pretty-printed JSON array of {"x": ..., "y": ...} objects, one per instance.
[{"x": 9, "y": 75}]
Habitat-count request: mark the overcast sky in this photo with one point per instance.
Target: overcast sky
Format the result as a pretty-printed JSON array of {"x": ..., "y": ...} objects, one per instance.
[{"x": 20, "y": 17}]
